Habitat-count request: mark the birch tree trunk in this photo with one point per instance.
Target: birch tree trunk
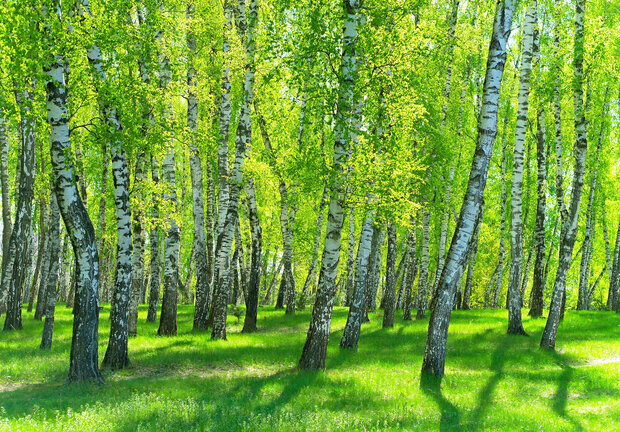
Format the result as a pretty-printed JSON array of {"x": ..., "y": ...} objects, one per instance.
[
  {"x": 137, "y": 256},
  {"x": 423, "y": 280},
  {"x": 350, "y": 337},
  {"x": 515, "y": 325},
  {"x": 116, "y": 356},
  {"x": 40, "y": 242},
  {"x": 375, "y": 276},
  {"x": 243, "y": 138},
  {"x": 434, "y": 355},
  {"x": 102, "y": 226},
  {"x": 251, "y": 297},
  {"x": 203, "y": 282},
  {"x": 15, "y": 273},
  {"x": 52, "y": 280},
  {"x": 84, "y": 363},
  {"x": 168, "y": 317},
  {"x": 315, "y": 251},
  {"x": 586, "y": 256},
  {"x": 569, "y": 226},
  {"x": 155, "y": 279},
  {"x": 538, "y": 287},
  {"x": 45, "y": 265},
  {"x": 614, "y": 285},
  {"x": 7, "y": 223},
  {"x": 350, "y": 256},
  {"x": 390, "y": 278},
  {"x": 315, "y": 347}
]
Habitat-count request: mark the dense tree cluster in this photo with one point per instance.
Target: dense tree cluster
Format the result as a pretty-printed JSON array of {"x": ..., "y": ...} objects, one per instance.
[{"x": 403, "y": 154}]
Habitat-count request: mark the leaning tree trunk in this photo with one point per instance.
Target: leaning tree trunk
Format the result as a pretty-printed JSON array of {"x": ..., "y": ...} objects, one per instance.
[
  {"x": 44, "y": 253},
  {"x": 441, "y": 309},
  {"x": 40, "y": 243},
  {"x": 515, "y": 325},
  {"x": 569, "y": 226},
  {"x": 586, "y": 256},
  {"x": 350, "y": 337},
  {"x": 251, "y": 296},
  {"x": 137, "y": 256},
  {"x": 203, "y": 282},
  {"x": 538, "y": 287},
  {"x": 168, "y": 318},
  {"x": 350, "y": 256},
  {"x": 116, "y": 356},
  {"x": 155, "y": 279},
  {"x": 15, "y": 272},
  {"x": 315, "y": 347},
  {"x": 52, "y": 280},
  {"x": 315, "y": 251},
  {"x": 390, "y": 279},
  {"x": 423, "y": 280},
  {"x": 243, "y": 138},
  {"x": 84, "y": 358}
]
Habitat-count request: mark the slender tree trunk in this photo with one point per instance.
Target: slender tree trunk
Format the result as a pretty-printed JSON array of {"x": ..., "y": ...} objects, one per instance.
[
  {"x": 155, "y": 279},
  {"x": 168, "y": 318},
  {"x": 7, "y": 223},
  {"x": 538, "y": 287},
  {"x": 14, "y": 276},
  {"x": 586, "y": 256},
  {"x": 350, "y": 257},
  {"x": 40, "y": 243},
  {"x": 390, "y": 278},
  {"x": 315, "y": 252},
  {"x": 614, "y": 285},
  {"x": 102, "y": 225},
  {"x": 569, "y": 225},
  {"x": 472, "y": 253},
  {"x": 137, "y": 256},
  {"x": 350, "y": 337},
  {"x": 84, "y": 362},
  {"x": 375, "y": 276},
  {"x": 52, "y": 280},
  {"x": 423, "y": 281},
  {"x": 434, "y": 355},
  {"x": 515, "y": 325},
  {"x": 251, "y": 297},
  {"x": 315, "y": 348},
  {"x": 45, "y": 265},
  {"x": 203, "y": 282},
  {"x": 243, "y": 139}
]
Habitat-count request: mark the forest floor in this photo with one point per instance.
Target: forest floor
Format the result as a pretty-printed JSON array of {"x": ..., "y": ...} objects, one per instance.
[{"x": 250, "y": 382}]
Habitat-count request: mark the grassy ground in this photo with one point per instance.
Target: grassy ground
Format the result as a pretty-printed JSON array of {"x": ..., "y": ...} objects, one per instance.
[{"x": 493, "y": 381}]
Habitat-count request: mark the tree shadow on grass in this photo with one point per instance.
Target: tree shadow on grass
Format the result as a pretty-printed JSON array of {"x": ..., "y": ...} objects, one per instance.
[
  {"x": 450, "y": 416},
  {"x": 485, "y": 397},
  {"x": 560, "y": 399}
]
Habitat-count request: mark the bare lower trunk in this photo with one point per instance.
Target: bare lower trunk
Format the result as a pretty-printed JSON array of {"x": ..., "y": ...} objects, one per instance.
[
  {"x": 83, "y": 364},
  {"x": 315, "y": 251},
  {"x": 50, "y": 297},
  {"x": 434, "y": 355},
  {"x": 538, "y": 287},
  {"x": 14, "y": 276},
  {"x": 315, "y": 347},
  {"x": 251, "y": 297},
  {"x": 570, "y": 221},
  {"x": 423, "y": 280},
  {"x": 390, "y": 279},
  {"x": 137, "y": 256},
  {"x": 168, "y": 318},
  {"x": 155, "y": 279},
  {"x": 350, "y": 337}
]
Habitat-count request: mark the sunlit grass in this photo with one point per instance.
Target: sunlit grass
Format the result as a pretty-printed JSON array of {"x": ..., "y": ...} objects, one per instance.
[{"x": 493, "y": 381}]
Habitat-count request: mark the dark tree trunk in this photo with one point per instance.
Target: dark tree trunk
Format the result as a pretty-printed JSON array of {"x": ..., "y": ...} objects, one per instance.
[
  {"x": 14, "y": 276},
  {"x": 155, "y": 282},
  {"x": 52, "y": 280},
  {"x": 390, "y": 279},
  {"x": 251, "y": 298}
]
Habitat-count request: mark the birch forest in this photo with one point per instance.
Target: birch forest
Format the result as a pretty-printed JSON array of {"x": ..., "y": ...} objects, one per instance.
[{"x": 324, "y": 214}]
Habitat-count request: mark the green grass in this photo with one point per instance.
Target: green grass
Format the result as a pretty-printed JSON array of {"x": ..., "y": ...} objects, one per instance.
[{"x": 493, "y": 381}]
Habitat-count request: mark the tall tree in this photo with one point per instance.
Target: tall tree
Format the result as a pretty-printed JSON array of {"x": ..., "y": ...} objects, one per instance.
[
  {"x": 435, "y": 352},
  {"x": 315, "y": 347},
  {"x": 570, "y": 220},
  {"x": 515, "y": 325}
]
